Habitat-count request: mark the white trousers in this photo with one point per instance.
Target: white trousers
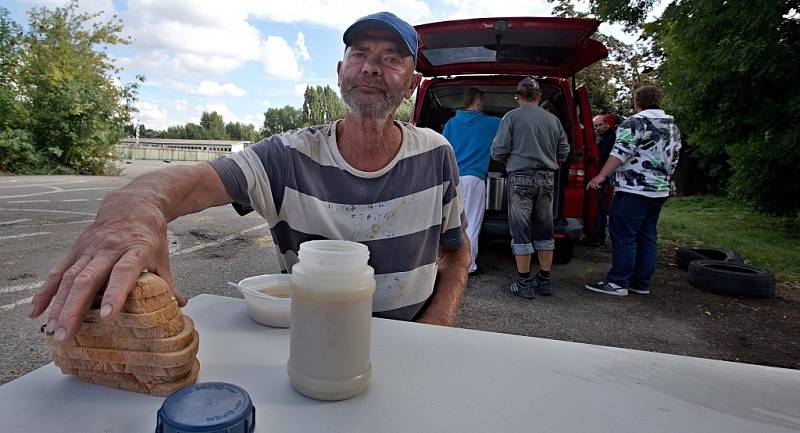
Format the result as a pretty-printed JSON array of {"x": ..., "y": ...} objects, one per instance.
[{"x": 473, "y": 191}]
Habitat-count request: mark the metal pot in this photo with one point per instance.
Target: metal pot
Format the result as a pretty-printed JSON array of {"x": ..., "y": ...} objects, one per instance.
[{"x": 495, "y": 191}]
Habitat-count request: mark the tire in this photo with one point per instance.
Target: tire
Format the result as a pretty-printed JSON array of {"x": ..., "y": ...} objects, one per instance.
[
  {"x": 685, "y": 255},
  {"x": 565, "y": 249},
  {"x": 731, "y": 279}
]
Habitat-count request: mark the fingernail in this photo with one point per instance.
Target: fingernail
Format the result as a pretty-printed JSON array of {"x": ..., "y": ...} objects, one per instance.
[
  {"x": 105, "y": 310},
  {"x": 61, "y": 335},
  {"x": 51, "y": 327}
]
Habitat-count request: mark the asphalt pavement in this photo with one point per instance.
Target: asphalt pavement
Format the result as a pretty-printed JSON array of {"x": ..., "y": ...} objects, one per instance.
[{"x": 41, "y": 217}]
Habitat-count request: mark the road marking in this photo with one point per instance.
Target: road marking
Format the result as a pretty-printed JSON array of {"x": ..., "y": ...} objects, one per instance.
[
  {"x": 48, "y": 224},
  {"x": 75, "y": 199},
  {"x": 25, "y": 235},
  {"x": 57, "y": 190},
  {"x": 29, "y": 201},
  {"x": 48, "y": 210},
  {"x": 8, "y": 223},
  {"x": 21, "y": 287},
  {"x": 11, "y": 306},
  {"x": 218, "y": 241},
  {"x": 43, "y": 184}
]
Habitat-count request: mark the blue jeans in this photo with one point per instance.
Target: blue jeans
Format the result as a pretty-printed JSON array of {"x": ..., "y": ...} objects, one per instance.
[{"x": 633, "y": 237}]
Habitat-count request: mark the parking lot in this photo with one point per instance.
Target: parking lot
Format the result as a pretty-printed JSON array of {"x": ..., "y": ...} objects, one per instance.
[{"x": 41, "y": 216}]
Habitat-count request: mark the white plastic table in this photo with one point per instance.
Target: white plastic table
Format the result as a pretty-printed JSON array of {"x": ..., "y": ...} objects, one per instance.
[{"x": 437, "y": 379}]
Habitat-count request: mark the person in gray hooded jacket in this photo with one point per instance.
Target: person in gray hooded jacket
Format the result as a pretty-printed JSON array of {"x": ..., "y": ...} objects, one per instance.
[{"x": 643, "y": 160}]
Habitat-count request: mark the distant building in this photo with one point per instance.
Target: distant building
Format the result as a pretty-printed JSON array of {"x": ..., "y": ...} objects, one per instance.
[{"x": 177, "y": 149}]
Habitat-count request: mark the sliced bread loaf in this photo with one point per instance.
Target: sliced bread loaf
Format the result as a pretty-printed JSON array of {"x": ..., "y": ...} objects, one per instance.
[
  {"x": 143, "y": 320},
  {"x": 105, "y": 329},
  {"x": 130, "y": 383},
  {"x": 168, "y": 344},
  {"x": 133, "y": 357},
  {"x": 112, "y": 367}
]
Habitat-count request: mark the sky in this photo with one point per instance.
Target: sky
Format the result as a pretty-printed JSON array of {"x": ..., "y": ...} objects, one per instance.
[{"x": 241, "y": 57}]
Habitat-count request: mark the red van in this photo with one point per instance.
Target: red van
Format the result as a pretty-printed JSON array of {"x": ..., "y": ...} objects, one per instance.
[{"x": 493, "y": 54}]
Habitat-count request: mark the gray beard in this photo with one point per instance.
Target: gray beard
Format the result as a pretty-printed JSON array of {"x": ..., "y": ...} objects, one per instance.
[{"x": 377, "y": 107}]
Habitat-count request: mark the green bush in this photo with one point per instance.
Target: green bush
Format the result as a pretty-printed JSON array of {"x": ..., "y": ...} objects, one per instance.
[
  {"x": 765, "y": 172},
  {"x": 17, "y": 153}
]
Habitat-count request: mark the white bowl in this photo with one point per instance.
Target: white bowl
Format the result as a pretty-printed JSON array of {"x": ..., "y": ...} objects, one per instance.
[{"x": 264, "y": 308}]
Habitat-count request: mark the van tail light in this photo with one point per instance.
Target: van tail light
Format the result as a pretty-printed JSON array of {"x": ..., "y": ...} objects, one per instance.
[{"x": 577, "y": 175}]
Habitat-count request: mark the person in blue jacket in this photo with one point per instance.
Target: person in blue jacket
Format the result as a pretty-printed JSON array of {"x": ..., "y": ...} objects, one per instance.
[{"x": 471, "y": 133}]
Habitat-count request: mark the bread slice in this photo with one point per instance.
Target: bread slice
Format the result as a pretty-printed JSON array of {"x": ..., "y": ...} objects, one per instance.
[
  {"x": 111, "y": 367},
  {"x": 105, "y": 329},
  {"x": 144, "y": 320},
  {"x": 134, "y": 377},
  {"x": 142, "y": 385},
  {"x": 133, "y": 357},
  {"x": 147, "y": 305},
  {"x": 147, "y": 286},
  {"x": 168, "y": 344}
]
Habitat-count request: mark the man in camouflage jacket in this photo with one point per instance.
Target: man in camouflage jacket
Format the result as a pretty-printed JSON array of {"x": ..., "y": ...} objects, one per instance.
[{"x": 643, "y": 160}]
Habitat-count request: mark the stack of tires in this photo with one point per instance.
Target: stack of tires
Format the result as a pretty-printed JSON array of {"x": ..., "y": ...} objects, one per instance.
[{"x": 724, "y": 272}]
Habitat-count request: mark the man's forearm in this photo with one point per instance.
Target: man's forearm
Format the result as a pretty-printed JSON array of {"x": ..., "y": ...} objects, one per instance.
[
  {"x": 451, "y": 281},
  {"x": 175, "y": 191},
  {"x": 611, "y": 165}
]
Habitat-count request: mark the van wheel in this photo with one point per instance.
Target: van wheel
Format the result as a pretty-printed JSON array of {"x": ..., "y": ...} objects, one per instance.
[
  {"x": 565, "y": 248},
  {"x": 685, "y": 255},
  {"x": 732, "y": 279}
]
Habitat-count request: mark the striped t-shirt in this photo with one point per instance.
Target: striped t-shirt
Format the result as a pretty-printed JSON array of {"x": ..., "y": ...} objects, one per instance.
[{"x": 305, "y": 190}]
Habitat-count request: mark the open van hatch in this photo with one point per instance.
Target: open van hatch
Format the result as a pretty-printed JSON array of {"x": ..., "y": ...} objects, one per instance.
[{"x": 545, "y": 46}]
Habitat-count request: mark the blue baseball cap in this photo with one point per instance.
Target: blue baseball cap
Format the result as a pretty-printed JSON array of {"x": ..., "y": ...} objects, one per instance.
[{"x": 385, "y": 21}]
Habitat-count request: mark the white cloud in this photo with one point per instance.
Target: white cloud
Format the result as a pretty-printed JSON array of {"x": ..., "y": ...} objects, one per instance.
[
  {"x": 338, "y": 15},
  {"x": 300, "y": 45},
  {"x": 151, "y": 115},
  {"x": 212, "y": 88},
  {"x": 279, "y": 59},
  {"x": 227, "y": 114},
  {"x": 212, "y": 38},
  {"x": 254, "y": 119},
  {"x": 266, "y": 104},
  {"x": 181, "y": 104},
  {"x": 461, "y": 9},
  {"x": 300, "y": 89}
]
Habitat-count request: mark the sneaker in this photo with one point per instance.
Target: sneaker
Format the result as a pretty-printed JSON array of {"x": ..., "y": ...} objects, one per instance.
[
  {"x": 543, "y": 286},
  {"x": 607, "y": 288},
  {"x": 521, "y": 288},
  {"x": 639, "y": 292}
]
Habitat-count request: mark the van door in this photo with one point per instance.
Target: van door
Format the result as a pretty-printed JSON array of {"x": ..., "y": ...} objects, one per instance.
[{"x": 591, "y": 158}]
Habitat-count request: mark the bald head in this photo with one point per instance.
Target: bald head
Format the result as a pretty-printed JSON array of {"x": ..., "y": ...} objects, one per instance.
[{"x": 600, "y": 124}]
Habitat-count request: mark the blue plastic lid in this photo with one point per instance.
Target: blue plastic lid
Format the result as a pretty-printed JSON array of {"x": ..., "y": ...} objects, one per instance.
[{"x": 210, "y": 407}]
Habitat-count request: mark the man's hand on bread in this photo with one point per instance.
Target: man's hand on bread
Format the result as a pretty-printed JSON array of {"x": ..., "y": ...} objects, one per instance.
[{"x": 128, "y": 235}]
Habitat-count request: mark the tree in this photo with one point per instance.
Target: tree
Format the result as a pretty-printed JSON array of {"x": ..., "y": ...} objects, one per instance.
[
  {"x": 277, "y": 120},
  {"x": 13, "y": 113},
  {"x": 728, "y": 70},
  {"x": 321, "y": 105},
  {"x": 403, "y": 112},
  {"x": 730, "y": 73},
  {"x": 76, "y": 109},
  {"x": 213, "y": 126}
]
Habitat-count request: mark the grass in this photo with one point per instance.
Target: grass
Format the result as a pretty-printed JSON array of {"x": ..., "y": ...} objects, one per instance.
[{"x": 766, "y": 241}]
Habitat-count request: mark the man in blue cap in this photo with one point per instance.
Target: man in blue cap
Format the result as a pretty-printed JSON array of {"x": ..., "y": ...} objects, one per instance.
[{"x": 366, "y": 178}]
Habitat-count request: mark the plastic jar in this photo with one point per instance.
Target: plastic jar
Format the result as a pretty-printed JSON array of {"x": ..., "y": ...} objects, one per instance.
[{"x": 332, "y": 287}]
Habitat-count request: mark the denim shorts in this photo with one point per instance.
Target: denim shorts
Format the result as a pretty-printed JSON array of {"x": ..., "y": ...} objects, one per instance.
[{"x": 530, "y": 211}]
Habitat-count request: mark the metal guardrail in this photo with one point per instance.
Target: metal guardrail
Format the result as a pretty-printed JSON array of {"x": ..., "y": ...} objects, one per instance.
[{"x": 182, "y": 153}]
